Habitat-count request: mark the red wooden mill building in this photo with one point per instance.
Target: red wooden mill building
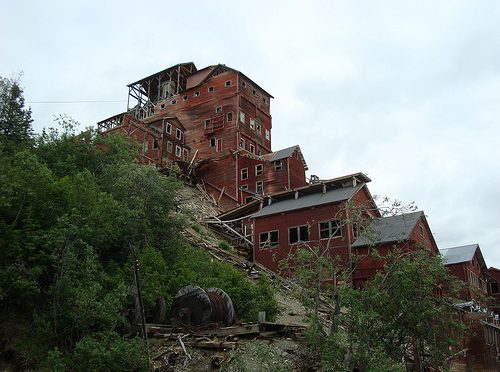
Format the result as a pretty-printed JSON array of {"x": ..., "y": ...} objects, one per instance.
[{"x": 216, "y": 124}]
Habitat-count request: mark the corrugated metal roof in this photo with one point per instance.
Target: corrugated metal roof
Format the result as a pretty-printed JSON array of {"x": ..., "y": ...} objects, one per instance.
[
  {"x": 285, "y": 153},
  {"x": 310, "y": 200},
  {"x": 454, "y": 255},
  {"x": 389, "y": 229}
]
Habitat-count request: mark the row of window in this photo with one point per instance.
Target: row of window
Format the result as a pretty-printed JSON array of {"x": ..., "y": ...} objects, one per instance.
[
  {"x": 259, "y": 169},
  {"x": 168, "y": 129},
  {"x": 251, "y": 147},
  {"x": 255, "y": 125},
  {"x": 259, "y": 187},
  {"x": 298, "y": 234},
  {"x": 254, "y": 92},
  {"x": 195, "y": 94},
  {"x": 179, "y": 151}
]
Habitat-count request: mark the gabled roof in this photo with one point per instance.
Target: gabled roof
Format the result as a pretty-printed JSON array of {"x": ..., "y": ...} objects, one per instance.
[
  {"x": 204, "y": 74},
  {"x": 330, "y": 196},
  {"x": 389, "y": 229},
  {"x": 461, "y": 254},
  {"x": 285, "y": 153}
]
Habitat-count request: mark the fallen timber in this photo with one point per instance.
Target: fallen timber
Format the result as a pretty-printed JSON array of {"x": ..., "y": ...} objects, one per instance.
[{"x": 225, "y": 337}]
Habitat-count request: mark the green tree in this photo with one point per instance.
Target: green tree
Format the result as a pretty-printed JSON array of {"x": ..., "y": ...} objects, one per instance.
[
  {"x": 15, "y": 118},
  {"x": 400, "y": 314}
]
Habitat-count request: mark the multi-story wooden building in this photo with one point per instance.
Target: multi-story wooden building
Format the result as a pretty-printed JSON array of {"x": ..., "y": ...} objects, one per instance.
[
  {"x": 317, "y": 215},
  {"x": 467, "y": 264},
  {"x": 405, "y": 232},
  {"x": 225, "y": 131}
]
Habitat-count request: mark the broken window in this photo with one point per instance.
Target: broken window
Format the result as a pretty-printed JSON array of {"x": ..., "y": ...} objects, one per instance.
[
  {"x": 212, "y": 142},
  {"x": 494, "y": 287},
  {"x": 173, "y": 102},
  {"x": 268, "y": 134},
  {"x": 243, "y": 84},
  {"x": 207, "y": 123},
  {"x": 259, "y": 187},
  {"x": 185, "y": 154},
  {"x": 185, "y": 98},
  {"x": 269, "y": 239},
  {"x": 248, "y": 199},
  {"x": 229, "y": 116},
  {"x": 178, "y": 151},
  {"x": 242, "y": 143},
  {"x": 252, "y": 123},
  {"x": 242, "y": 116},
  {"x": 169, "y": 128},
  {"x": 298, "y": 234},
  {"x": 244, "y": 173},
  {"x": 259, "y": 168},
  {"x": 227, "y": 83},
  {"x": 252, "y": 148},
  {"x": 328, "y": 229},
  {"x": 178, "y": 133},
  {"x": 259, "y": 128},
  {"x": 210, "y": 89},
  {"x": 155, "y": 143},
  {"x": 244, "y": 187},
  {"x": 169, "y": 146},
  {"x": 278, "y": 164},
  {"x": 218, "y": 109},
  {"x": 196, "y": 94}
]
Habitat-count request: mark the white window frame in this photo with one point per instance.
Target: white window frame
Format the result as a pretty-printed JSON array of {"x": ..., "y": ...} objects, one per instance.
[
  {"x": 178, "y": 133},
  {"x": 259, "y": 187},
  {"x": 178, "y": 151},
  {"x": 299, "y": 230},
  {"x": 244, "y": 173},
  {"x": 252, "y": 123},
  {"x": 259, "y": 169}
]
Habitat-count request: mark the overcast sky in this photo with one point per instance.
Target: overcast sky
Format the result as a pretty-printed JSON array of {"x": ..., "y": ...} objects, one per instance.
[{"x": 406, "y": 92}]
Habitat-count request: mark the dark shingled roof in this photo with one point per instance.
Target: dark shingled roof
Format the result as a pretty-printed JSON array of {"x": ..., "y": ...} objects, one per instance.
[
  {"x": 389, "y": 229},
  {"x": 454, "y": 255},
  {"x": 310, "y": 200}
]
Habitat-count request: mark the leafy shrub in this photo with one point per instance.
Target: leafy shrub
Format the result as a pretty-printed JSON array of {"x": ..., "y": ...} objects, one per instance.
[
  {"x": 108, "y": 351},
  {"x": 223, "y": 244}
]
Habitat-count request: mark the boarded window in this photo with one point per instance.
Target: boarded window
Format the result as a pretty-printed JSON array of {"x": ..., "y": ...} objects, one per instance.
[
  {"x": 269, "y": 239},
  {"x": 298, "y": 234},
  {"x": 332, "y": 228}
]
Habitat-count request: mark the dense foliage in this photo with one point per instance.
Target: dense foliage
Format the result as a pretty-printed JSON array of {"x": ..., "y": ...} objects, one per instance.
[
  {"x": 400, "y": 315},
  {"x": 74, "y": 209}
]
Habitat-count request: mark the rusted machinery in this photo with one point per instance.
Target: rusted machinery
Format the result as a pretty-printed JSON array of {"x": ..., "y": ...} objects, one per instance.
[{"x": 194, "y": 306}]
